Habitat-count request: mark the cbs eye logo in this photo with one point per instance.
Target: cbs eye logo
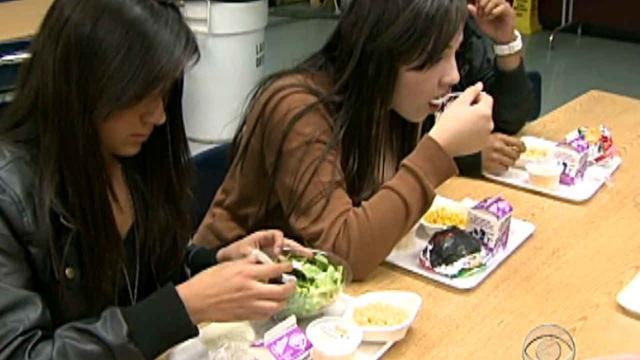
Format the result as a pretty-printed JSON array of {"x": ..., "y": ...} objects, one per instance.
[{"x": 548, "y": 342}]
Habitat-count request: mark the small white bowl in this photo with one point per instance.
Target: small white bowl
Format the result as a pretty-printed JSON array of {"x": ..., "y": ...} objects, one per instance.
[
  {"x": 543, "y": 149},
  {"x": 544, "y": 175},
  {"x": 333, "y": 338},
  {"x": 448, "y": 204},
  {"x": 406, "y": 300}
]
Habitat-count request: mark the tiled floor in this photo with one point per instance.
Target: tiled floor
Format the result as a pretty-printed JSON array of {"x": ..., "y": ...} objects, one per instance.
[{"x": 576, "y": 65}]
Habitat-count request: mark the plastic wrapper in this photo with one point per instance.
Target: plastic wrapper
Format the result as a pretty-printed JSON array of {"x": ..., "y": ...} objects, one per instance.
[
  {"x": 453, "y": 252},
  {"x": 232, "y": 351},
  {"x": 228, "y": 341},
  {"x": 601, "y": 146}
]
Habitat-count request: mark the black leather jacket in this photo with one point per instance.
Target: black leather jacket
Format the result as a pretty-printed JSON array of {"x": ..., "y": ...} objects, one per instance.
[{"x": 36, "y": 324}]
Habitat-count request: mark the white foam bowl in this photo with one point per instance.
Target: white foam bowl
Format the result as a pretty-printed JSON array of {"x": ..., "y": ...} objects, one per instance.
[
  {"x": 545, "y": 175},
  {"x": 441, "y": 202},
  {"x": 406, "y": 300},
  {"x": 327, "y": 344},
  {"x": 540, "y": 144}
]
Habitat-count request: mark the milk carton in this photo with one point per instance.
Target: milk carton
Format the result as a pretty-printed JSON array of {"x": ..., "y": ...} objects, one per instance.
[
  {"x": 490, "y": 220},
  {"x": 286, "y": 341},
  {"x": 573, "y": 157}
]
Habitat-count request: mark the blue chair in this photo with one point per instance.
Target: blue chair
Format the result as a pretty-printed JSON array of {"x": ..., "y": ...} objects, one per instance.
[
  {"x": 536, "y": 83},
  {"x": 9, "y": 66},
  {"x": 211, "y": 168}
]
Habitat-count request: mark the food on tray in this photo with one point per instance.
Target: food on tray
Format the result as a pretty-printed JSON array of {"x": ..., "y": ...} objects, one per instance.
[
  {"x": 601, "y": 147},
  {"x": 545, "y": 175},
  {"x": 318, "y": 284},
  {"x": 379, "y": 314},
  {"x": 591, "y": 134},
  {"x": 216, "y": 335},
  {"x": 405, "y": 303},
  {"x": 442, "y": 214},
  {"x": 536, "y": 153},
  {"x": 537, "y": 150},
  {"x": 453, "y": 252},
  {"x": 446, "y": 217},
  {"x": 489, "y": 221}
]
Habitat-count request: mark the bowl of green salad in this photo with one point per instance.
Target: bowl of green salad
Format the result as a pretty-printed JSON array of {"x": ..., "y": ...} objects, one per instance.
[{"x": 320, "y": 280}]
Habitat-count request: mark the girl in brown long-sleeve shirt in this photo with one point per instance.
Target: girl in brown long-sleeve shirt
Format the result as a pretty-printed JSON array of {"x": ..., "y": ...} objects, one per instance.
[{"x": 330, "y": 152}]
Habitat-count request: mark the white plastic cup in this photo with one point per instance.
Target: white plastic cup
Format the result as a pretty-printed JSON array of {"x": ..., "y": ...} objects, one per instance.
[
  {"x": 545, "y": 175},
  {"x": 333, "y": 338}
]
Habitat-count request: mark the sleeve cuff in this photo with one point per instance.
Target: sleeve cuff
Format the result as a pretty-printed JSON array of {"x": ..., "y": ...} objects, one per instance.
[
  {"x": 201, "y": 257},
  {"x": 470, "y": 165},
  {"x": 159, "y": 322}
]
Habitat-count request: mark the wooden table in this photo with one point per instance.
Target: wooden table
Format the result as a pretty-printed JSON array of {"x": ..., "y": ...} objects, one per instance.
[
  {"x": 568, "y": 273},
  {"x": 21, "y": 18}
]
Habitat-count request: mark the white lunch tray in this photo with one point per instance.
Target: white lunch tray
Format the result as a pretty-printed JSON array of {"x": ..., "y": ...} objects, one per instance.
[
  {"x": 196, "y": 349},
  {"x": 519, "y": 232},
  {"x": 366, "y": 351},
  {"x": 594, "y": 178}
]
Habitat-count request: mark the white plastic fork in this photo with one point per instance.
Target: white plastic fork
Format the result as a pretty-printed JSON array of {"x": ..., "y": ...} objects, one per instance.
[
  {"x": 261, "y": 256},
  {"x": 444, "y": 99},
  {"x": 265, "y": 259}
]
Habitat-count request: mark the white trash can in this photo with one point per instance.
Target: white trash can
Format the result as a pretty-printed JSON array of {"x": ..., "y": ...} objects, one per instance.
[{"x": 230, "y": 35}]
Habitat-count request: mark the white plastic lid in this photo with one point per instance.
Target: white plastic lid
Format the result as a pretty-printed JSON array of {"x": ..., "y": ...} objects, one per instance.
[
  {"x": 334, "y": 336},
  {"x": 225, "y": 17}
]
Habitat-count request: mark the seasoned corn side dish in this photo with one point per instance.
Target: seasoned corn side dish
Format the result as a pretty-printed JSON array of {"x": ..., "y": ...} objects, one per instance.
[
  {"x": 535, "y": 153},
  {"x": 379, "y": 314},
  {"x": 447, "y": 217}
]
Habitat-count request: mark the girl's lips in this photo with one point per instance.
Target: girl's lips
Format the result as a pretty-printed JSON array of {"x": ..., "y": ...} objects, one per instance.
[{"x": 140, "y": 136}]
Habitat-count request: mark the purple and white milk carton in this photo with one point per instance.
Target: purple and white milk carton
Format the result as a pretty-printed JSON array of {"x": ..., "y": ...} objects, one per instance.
[
  {"x": 286, "y": 341},
  {"x": 573, "y": 156},
  {"x": 489, "y": 221}
]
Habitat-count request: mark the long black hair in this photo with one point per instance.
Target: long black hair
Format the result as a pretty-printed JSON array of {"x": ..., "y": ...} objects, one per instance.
[
  {"x": 90, "y": 59},
  {"x": 361, "y": 60}
]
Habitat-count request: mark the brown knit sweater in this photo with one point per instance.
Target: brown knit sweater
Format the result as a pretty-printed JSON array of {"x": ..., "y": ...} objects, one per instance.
[{"x": 325, "y": 216}]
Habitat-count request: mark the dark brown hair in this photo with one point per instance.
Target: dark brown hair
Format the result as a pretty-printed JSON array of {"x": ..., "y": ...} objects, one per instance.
[{"x": 361, "y": 60}]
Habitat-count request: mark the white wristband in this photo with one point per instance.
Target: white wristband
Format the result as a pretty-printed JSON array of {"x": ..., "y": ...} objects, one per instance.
[{"x": 510, "y": 48}]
